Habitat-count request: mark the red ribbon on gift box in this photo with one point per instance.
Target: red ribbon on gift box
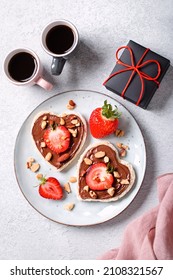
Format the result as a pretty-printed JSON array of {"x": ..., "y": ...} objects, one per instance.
[{"x": 135, "y": 69}]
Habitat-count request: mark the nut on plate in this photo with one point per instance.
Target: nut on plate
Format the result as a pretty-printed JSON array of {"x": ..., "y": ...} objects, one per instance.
[
  {"x": 29, "y": 162},
  {"x": 32, "y": 164},
  {"x": 119, "y": 133},
  {"x": 39, "y": 176},
  {"x": 35, "y": 167},
  {"x": 123, "y": 152},
  {"x": 73, "y": 179},
  {"x": 122, "y": 149},
  {"x": 71, "y": 105},
  {"x": 119, "y": 145},
  {"x": 67, "y": 187},
  {"x": 69, "y": 206}
]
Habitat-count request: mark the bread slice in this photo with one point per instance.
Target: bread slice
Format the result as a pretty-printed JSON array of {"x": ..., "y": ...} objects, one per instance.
[
  {"x": 78, "y": 134},
  {"x": 122, "y": 171}
]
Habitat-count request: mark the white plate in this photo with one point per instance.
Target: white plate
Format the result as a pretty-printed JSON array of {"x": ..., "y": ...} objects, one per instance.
[{"x": 84, "y": 213}]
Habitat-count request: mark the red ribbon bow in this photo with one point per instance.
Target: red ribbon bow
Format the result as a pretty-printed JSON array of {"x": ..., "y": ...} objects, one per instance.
[{"x": 135, "y": 69}]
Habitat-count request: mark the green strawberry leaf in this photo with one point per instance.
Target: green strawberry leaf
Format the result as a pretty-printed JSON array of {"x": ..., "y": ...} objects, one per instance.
[
  {"x": 110, "y": 169},
  {"x": 109, "y": 113}
]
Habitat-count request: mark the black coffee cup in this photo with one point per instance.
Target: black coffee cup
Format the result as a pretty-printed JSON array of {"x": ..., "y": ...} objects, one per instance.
[{"x": 59, "y": 39}]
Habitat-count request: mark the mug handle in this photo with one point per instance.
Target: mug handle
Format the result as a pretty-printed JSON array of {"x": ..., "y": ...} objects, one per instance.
[
  {"x": 57, "y": 65},
  {"x": 44, "y": 84}
]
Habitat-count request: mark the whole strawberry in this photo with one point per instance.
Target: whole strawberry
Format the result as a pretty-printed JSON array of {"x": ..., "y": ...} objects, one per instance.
[{"x": 104, "y": 121}]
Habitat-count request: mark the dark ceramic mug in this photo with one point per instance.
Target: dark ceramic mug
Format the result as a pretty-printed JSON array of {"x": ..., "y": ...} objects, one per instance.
[{"x": 59, "y": 39}]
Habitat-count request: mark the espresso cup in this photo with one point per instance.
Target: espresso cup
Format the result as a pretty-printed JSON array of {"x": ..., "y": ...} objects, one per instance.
[
  {"x": 59, "y": 39},
  {"x": 23, "y": 67}
]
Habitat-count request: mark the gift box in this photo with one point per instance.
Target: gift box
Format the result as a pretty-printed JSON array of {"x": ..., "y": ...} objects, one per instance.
[{"x": 137, "y": 73}]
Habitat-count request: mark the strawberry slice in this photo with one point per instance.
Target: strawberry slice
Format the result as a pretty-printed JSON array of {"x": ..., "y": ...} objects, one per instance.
[
  {"x": 57, "y": 139},
  {"x": 50, "y": 188},
  {"x": 97, "y": 177}
]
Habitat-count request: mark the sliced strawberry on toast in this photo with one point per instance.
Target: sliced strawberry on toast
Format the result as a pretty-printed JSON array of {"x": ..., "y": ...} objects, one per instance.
[
  {"x": 57, "y": 139},
  {"x": 97, "y": 177}
]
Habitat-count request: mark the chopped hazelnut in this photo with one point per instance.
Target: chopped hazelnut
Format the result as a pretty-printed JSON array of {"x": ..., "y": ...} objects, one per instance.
[
  {"x": 69, "y": 206},
  {"x": 71, "y": 105},
  {"x": 31, "y": 159},
  {"x": 87, "y": 161},
  {"x": 67, "y": 187},
  {"x": 111, "y": 191},
  {"x": 39, "y": 176},
  {"x": 99, "y": 154},
  {"x": 35, "y": 167},
  {"x": 74, "y": 121},
  {"x": 116, "y": 174},
  {"x": 62, "y": 121},
  {"x": 48, "y": 156},
  {"x": 63, "y": 157},
  {"x": 86, "y": 188},
  {"x": 64, "y": 115},
  {"x": 123, "y": 153},
  {"x": 106, "y": 159},
  {"x": 125, "y": 147},
  {"x": 73, "y": 179},
  {"x": 124, "y": 182},
  {"x": 77, "y": 124},
  {"x": 30, "y": 162},
  {"x": 119, "y": 133},
  {"x": 43, "y": 145},
  {"x": 43, "y": 124},
  {"x": 93, "y": 194},
  {"x": 119, "y": 145},
  {"x": 73, "y": 132}
]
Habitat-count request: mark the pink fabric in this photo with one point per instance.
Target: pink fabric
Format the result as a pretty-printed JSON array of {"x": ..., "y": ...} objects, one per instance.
[{"x": 150, "y": 237}]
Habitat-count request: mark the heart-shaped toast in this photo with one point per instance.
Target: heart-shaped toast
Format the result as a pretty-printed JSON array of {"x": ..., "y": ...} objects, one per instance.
[
  {"x": 59, "y": 138},
  {"x": 102, "y": 175}
]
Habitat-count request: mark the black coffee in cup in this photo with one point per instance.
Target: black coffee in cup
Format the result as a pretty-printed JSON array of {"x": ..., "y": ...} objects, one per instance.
[
  {"x": 22, "y": 66},
  {"x": 60, "y": 39}
]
